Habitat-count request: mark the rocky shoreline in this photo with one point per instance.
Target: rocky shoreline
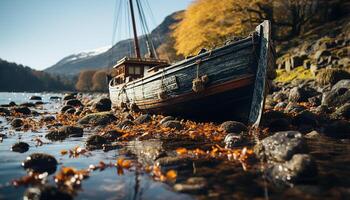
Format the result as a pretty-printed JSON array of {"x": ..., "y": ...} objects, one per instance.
[{"x": 192, "y": 157}]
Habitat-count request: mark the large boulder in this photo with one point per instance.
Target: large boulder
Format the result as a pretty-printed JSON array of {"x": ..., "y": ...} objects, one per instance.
[
  {"x": 101, "y": 118},
  {"x": 339, "y": 94},
  {"x": 299, "y": 169},
  {"x": 281, "y": 146},
  {"x": 103, "y": 104}
]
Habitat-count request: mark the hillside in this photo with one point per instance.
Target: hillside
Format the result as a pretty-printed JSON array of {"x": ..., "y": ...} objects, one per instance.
[
  {"x": 73, "y": 64},
  {"x": 18, "y": 78}
]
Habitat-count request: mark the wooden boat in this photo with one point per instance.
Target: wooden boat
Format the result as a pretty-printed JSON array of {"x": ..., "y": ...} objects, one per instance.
[{"x": 229, "y": 82}]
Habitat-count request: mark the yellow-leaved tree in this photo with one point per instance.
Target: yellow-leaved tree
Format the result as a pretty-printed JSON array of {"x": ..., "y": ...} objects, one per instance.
[{"x": 206, "y": 24}]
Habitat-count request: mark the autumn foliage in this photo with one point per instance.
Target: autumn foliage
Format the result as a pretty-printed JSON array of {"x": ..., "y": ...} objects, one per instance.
[
  {"x": 209, "y": 23},
  {"x": 92, "y": 80}
]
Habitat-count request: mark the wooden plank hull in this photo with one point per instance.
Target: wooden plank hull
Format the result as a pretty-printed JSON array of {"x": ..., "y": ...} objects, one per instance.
[{"x": 228, "y": 94}]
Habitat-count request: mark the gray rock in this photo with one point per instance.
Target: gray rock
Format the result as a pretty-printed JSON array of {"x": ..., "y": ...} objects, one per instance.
[
  {"x": 103, "y": 104},
  {"x": 144, "y": 118},
  {"x": 339, "y": 94},
  {"x": 101, "y": 118},
  {"x": 299, "y": 169},
  {"x": 16, "y": 123},
  {"x": 343, "y": 111},
  {"x": 280, "y": 105},
  {"x": 20, "y": 147},
  {"x": 39, "y": 162},
  {"x": 338, "y": 129},
  {"x": 296, "y": 94},
  {"x": 46, "y": 192},
  {"x": 234, "y": 140},
  {"x": 173, "y": 124},
  {"x": 281, "y": 146},
  {"x": 315, "y": 101},
  {"x": 294, "y": 108},
  {"x": 233, "y": 127},
  {"x": 37, "y": 98},
  {"x": 74, "y": 102}
]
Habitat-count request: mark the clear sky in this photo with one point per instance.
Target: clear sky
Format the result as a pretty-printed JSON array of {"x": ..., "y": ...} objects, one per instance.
[{"x": 38, "y": 33}]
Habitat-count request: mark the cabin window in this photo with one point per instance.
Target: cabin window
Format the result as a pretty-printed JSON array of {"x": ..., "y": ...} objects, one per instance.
[
  {"x": 131, "y": 70},
  {"x": 138, "y": 70}
]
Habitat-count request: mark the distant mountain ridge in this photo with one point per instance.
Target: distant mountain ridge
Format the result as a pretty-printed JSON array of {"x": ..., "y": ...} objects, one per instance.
[{"x": 73, "y": 64}]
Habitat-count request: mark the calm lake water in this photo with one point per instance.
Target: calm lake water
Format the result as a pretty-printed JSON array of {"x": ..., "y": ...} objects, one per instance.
[
  {"x": 106, "y": 184},
  {"x": 224, "y": 181}
]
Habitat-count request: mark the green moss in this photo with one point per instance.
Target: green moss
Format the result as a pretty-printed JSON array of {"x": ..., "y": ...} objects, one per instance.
[{"x": 297, "y": 73}]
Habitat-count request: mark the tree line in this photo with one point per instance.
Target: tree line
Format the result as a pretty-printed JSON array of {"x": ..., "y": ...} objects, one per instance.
[
  {"x": 92, "y": 81},
  {"x": 18, "y": 78}
]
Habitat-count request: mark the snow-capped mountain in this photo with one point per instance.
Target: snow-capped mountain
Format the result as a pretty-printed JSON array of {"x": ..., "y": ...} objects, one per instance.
[{"x": 105, "y": 56}]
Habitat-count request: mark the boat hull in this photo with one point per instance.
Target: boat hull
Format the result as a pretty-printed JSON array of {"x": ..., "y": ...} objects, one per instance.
[{"x": 231, "y": 72}]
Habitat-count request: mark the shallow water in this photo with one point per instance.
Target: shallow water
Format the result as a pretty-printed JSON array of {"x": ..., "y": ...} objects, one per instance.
[{"x": 226, "y": 180}]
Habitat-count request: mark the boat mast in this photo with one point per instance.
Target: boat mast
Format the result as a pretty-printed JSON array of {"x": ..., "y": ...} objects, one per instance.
[{"x": 136, "y": 42}]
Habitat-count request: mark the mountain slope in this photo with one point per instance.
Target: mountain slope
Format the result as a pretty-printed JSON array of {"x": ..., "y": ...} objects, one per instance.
[{"x": 73, "y": 64}]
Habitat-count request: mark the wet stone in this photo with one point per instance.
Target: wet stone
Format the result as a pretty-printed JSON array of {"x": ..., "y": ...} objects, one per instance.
[
  {"x": 95, "y": 142},
  {"x": 339, "y": 94},
  {"x": 4, "y": 111},
  {"x": 55, "y": 98},
  {"x": 103, "y": 104},
  {"x": 281, "y": 146},
  {"x": 70, "y": 111},
  {"x": 20, "y": 147},
  {"x": 112, "y": 135},
  {"x": 174, "y": 124},
  {"x": 233, "y": 127},
  {"x": 16, "y": 123},
  {"x": 49, "y": 118},
  {"x": 74, "y": 102},
  {"x": 101, "y": 118},
  {"x": 233, "y": 140},
  {"x": 64, "y": 132},
  {"x": 145, "y": 118},
  {"x": 11, "y": 104},
  {"x": 301, "y": 168},
  {"x": 22, "y": 109},
  {"x": 65, "y": 108},
  {"x": 39, "y": 162},
  {"x": 69, "y": 96},
  {"x": 37, "y": 98},
  {"x": 38, "y": 103},
  {"x": 192, "y": 185},
  {"x": 165, "y": 119},
  {"x": 45, "y": 193}
]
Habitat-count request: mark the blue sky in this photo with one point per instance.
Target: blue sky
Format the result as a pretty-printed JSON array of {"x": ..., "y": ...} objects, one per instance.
[{"x": 38, "y": 33}]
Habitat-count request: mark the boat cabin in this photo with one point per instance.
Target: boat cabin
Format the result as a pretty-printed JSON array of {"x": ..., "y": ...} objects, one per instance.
[{"x": 128, "y": 69}]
